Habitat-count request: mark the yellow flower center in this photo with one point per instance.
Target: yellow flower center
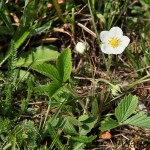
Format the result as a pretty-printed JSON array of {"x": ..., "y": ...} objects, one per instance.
[{"x": 114, "y": 42}]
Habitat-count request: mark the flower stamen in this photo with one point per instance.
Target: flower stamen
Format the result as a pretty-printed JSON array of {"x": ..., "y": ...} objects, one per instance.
[{"x": 114, "y": 42}]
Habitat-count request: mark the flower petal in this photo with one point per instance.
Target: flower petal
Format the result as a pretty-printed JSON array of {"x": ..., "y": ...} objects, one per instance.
[
  {"x": 118, "y": 50},
  {"x": 104, "y": 35},
  {"x": 106, "y": 49},
  {"x": 125, "y": 41},
  {"x": 103, "y": 48},
  {"x": 115, "y": 31}
]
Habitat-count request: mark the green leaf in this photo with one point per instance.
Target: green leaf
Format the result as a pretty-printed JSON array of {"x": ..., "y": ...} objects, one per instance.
[
  {"x": 83, "y": 118},
  {"x": 137, "y": 82},
  {"x": 139, "y": 120},
  {"x": 54, "y": 137},
  {"x": 69, "y": 128},
  {"x": 57, "y": 122},
  {"x": 64, "y": 124},
  {"x": 126, "y": 107},
  {"x": 74, "y": 121},
  {"x": 41, "y": 89},
  {"x": 5, "y": 123},
  {"x": 29, "y": 128},
  {"x": 48, "y": 70},
  {"x": 54, "y": 88},
  {"x": 5, "y": 16},
  {"x": 37, "y": 56},
  {"x": 25, "y": 102},
  {"x": 95, "y": 109},
  {"x": 24, "y": 75},
  {"x": 108, "y": 123},
  {"x": 18, "y": 39},
  {"x": 83, "y": 139},
  {"x": 64, "y": 64},
  {"x": 23, "y": 36},
  {"x": 77, "y": 145},
  {"x": 88, "y": 124},
  {"x": 28, "y": 14},
  {"x": 44, "y": 27}
]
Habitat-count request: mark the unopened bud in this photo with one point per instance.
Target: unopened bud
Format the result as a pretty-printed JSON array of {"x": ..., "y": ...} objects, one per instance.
[
  {"x": 80, "y": 47},
  {"x": 116, "y": 90}
]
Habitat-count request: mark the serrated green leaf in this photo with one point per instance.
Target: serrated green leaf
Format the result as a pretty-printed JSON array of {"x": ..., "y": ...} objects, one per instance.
[
  {"x": 38, "y": 56},
  {"x": 139, "y": 120},
  {"x": 108, "y": 123},
  {"x": 54, "y": 137},
  {"x": 69, "y": 128},
  {"x": 64, "y": 124},
  {"x": 76, "y": 145},
  {"x": 95, "y": 109},
  {"x": 83, "y": 117},
  {"x": 47, "y": 70},
  {"x": 57, "y": 122},
  {"x": 4, "y": 125},
  {"x": 24, "y": 75},
  {"x": 126, "y": 107},
  {"x": 41, "y": 89},
  {"x": 88, "y": 124},
  {"x": 74, "y": 121},
  {"x": 54, "y": 88},
  {"x": 64, "y": 64},
  {"x": 84, "y": 139}
]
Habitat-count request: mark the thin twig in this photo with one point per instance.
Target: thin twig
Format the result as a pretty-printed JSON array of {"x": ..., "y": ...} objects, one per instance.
[{"x": 86, "y": 29}]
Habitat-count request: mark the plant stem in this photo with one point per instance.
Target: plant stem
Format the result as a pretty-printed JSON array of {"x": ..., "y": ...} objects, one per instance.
[
  {"x": 48, "y": 109},
  {"x": 108, "y": 64},
  {"x": 73, "y": 21},
  {"x": 58, "y": 9}
]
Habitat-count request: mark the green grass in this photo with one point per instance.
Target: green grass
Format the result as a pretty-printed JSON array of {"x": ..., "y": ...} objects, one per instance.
[{"x": 55, "y": 98}]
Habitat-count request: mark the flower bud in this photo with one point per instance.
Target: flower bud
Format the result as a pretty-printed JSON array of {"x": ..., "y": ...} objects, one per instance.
[
  {"x": 80, "y": 47},
  {"x": 115, "y": 90}
]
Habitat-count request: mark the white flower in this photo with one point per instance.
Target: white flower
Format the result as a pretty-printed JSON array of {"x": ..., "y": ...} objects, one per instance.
[
  {"x": 113, "y": 41},
  {"x": 80, "y": 47}
]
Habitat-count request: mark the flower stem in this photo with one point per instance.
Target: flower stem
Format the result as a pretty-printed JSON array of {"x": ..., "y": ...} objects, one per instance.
[{"x": 108, "y": 64}]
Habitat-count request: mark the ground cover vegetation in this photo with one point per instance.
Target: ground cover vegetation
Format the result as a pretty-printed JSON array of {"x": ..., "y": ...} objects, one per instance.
[{"x": 74, "y": 74}]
